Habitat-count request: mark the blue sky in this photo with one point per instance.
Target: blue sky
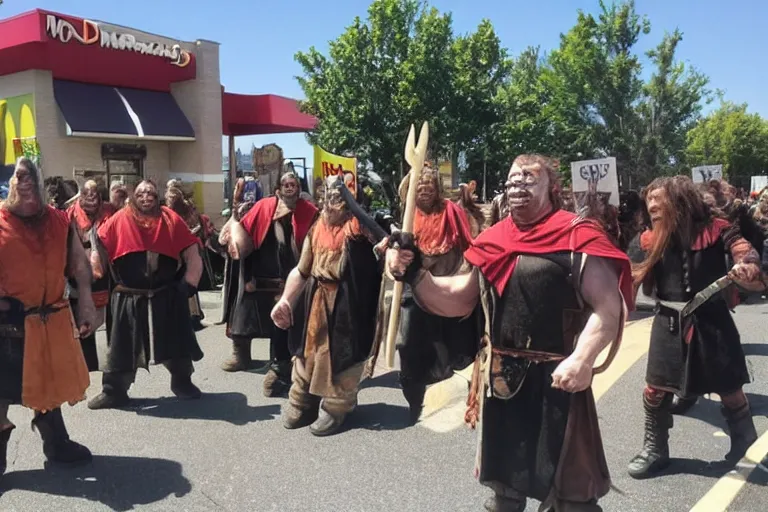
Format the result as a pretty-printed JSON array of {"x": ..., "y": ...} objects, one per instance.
[{"x": 259, "y": 38}]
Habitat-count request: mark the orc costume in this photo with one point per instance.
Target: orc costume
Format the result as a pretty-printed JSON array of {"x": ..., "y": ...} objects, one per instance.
[
  {"x": 84, "y": 227},
  {"x": 698, "y": 354},
  {"x": 334, "y": 323},
  {"x": 41, "y": 361},
  {"x": 432, "y": 347},
  {"x": 278, "y": 235},
  {"x": 150, "y": 311},
  {"x": 537, "y": 441}
]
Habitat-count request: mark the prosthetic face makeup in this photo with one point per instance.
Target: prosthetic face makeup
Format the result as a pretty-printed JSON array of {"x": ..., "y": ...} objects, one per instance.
[
  {"x": 528, "y": 192},
  {"x": 426, "y": 191},
  {"x": 657, "y": 204},
  {"x": 90, "y": 199},
  {"x": 333, "y": 204},
  {"x": 145, "y": 197},
  {"x": 289, "y": 188},
  {"x": 25, "y": 196}
]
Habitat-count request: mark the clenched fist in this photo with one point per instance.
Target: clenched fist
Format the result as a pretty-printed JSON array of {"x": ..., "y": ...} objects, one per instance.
[
  {"x": 282, "y": 314},
  {"x": 397, "y": 261},
  {"x": 572, "y": 375}
]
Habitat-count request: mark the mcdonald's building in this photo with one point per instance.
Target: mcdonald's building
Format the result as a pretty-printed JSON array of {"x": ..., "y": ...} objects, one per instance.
[{"x": 90, "y": 99}]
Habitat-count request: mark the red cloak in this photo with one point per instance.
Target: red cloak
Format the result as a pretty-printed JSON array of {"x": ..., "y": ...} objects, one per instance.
[
  {"x": 81, "y": 219},
  {"x": 258, "y": 220},
  {"x": 167, "y": 234},
  {"x": 451, "y": 230},
  {"x": 494, "y": 252}
]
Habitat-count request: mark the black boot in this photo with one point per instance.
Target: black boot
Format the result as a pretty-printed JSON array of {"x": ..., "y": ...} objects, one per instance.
[
  {"x": 654, "y": 456},
  {"x": 681, "y": 405},
  {"x": 5, "y": 436},
  {"x": 181, "y": 379},
  {"x": 57, "y": 446},
  {"x": 278, "y": 379},
  {"x": 414, "y": 393},
  {"x": 741, "y": 429}
]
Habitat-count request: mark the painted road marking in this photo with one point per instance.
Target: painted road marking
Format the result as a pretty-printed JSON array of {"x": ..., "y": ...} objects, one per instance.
[
  {"x": 444, "y": 403},
  {"x": 725, "y": 490}
]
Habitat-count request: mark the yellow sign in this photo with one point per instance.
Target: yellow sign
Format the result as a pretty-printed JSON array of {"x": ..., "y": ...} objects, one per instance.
[{"x": 327, "y": 164}]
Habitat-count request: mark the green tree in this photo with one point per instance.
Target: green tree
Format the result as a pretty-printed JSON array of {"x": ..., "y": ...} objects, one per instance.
[
  {"x": 732, "y": 137},
  {"x": 403, "y": 65}
]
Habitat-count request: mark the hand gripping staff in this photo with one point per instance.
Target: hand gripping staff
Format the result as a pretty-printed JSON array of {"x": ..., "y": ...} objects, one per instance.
[{"x": 415, "y": 156}]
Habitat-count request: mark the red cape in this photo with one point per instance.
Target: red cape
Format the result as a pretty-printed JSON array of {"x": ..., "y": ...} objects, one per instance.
[
  {"x": 494, "y": 252},
  {"x": 453, "y": 232},
  {"x": 258, "y": 220},
  {"x": 81, "y": 219},
  {"x": 168, "y": 234}
]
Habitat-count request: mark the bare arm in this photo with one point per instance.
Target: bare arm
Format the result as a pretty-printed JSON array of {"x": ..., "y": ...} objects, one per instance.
[
  {"x": 294, "y": 285},
  {"x": 78, "y": 265},
  {"x": 194, "y": 264},
  {"x": 79, "y": 268},
  {"x": 449, "y": 296},
  {"x": 600, "y": 290},
  {"x": 240, "y": 240}
]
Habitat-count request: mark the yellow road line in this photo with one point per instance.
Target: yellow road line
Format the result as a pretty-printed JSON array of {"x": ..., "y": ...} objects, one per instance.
[
  {"x": 637, "y": 337},
  {"x": 725, "y": 490}
]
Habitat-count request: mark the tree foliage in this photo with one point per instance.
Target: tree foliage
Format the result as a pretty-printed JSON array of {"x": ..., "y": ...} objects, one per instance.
[
  {"x": 732, "y": 137},
  {"x": 585, "y": 99}
]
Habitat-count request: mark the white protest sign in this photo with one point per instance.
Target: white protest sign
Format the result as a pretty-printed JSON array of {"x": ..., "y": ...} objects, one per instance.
[
  {"x": 705, "y": 173},
  {"x": 759, "y": 183},
  {"x": 597, "y": 177}
]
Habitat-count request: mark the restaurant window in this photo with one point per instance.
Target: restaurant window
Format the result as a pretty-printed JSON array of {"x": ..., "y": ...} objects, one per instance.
[{"x": 124, "y": 163}]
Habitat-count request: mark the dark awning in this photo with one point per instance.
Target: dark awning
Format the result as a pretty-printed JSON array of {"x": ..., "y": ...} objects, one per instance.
[{"x": 101, "y": 111}]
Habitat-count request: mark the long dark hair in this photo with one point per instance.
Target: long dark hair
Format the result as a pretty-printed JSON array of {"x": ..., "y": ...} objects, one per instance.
[{"x": 685, "y": 217}]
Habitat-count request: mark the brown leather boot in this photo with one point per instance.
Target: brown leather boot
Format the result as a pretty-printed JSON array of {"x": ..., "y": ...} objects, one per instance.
[{"x": 241, "y": 356}]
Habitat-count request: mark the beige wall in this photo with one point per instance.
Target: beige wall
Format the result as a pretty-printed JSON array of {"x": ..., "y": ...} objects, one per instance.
[{"x": 197, "y": 162}]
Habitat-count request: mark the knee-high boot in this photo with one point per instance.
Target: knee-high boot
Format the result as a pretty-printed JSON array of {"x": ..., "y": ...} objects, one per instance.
[
  {"x": 654, "y": 456},
  {"x": 741, "y": 429},
  {"x": 57, "y": 446}
]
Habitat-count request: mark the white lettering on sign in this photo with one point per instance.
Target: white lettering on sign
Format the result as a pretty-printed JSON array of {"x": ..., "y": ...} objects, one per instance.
[{"x": 92, "y": 33}]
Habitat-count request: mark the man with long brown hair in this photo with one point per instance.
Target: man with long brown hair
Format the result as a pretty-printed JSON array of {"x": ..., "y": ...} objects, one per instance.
[
  {"x": 553, "y": 289},
  {"x": 41, "y": 362},
  {"x": 681, "y": 254},
  {"x": 142, "y": 246}
]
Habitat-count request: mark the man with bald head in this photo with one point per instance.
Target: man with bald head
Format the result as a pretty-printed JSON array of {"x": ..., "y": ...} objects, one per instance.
[
  {"x": 145, "y": 245},
  {"x": 553, "y": 291},
  {"x": 87, "y": 214}
]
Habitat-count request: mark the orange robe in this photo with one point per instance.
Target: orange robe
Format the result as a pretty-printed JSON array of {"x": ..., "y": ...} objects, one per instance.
[{"x": 33, "y": 259}]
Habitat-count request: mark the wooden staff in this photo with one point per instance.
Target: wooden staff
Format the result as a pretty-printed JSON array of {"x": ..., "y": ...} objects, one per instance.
[{"x": 415, "y": 156}]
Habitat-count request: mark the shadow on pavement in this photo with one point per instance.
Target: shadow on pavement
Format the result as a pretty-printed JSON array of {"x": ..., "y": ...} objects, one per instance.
[
  {"x": 120, "y": 483},
  {"x": 698, "y": 467},
  {"x": 379, "y": 416},
  {"x": 230, "y": 407},
  {"x": 709, "y": 410},
  {"x": 387, "y": 380},
  {"x": 755, "y": 349}
]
